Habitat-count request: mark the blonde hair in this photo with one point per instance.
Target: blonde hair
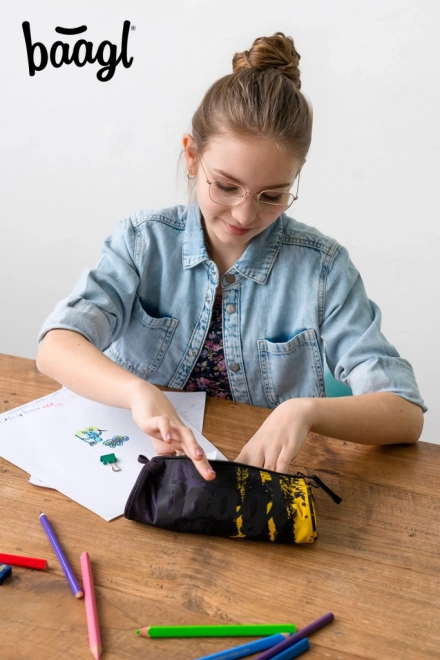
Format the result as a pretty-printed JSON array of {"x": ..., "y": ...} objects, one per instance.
[{"x": 260, "y": 99}]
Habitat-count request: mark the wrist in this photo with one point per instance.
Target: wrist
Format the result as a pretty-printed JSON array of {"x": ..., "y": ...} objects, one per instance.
[
  {"x": 303, "y": 408},
  {"x": 137, "y": 390}
]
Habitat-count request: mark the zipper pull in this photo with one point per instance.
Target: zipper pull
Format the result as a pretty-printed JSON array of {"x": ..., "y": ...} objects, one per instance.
[{"x": 320, "y": 483}]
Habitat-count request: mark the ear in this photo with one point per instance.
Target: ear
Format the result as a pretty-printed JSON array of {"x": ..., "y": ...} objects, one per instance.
[
  {"x": 190, "y": 150},
  {"x": 300, "y": 168}
]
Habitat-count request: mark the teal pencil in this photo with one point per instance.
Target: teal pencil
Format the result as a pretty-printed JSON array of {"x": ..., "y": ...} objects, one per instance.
[{"x": 232, "y": 630}]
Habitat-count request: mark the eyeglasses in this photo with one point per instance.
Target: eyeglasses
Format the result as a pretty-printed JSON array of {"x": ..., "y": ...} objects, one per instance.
[{"x": 232, "y": 194}]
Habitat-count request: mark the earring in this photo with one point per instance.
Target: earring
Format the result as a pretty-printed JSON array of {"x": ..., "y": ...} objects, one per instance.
[{"x": 190, "y": 176}]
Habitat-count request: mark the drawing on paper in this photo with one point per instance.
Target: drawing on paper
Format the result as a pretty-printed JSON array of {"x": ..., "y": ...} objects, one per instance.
[
  {"x": 92, "y": 435},
  {"x": 116, "y": 441}
]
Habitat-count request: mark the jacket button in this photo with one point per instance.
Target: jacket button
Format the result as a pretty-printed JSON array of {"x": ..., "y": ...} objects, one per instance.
[
  {"x": 192, "y": 352},
  {"x": 230, "y": 308},
  {"x": 234, "y": 367},
  {"x": 230, "y": 279}
]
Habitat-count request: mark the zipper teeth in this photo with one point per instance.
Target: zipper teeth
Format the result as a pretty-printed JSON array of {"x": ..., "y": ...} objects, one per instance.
[
  {"x": 312, "y": 508},
  {"x": 296, "y": 475},
  {"x": 243, "y": 465}
]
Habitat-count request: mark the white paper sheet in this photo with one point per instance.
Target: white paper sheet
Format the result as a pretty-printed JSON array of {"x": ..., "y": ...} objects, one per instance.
[
  {"x": 189, "y": 405},
  {"x": 42, "y": 439}
]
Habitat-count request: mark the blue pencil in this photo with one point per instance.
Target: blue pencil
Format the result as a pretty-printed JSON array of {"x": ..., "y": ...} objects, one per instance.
[
  {"x": 247, "y": 649},
  {"x": 275, "y": 651},
  {"x": 293, "y": 651}
]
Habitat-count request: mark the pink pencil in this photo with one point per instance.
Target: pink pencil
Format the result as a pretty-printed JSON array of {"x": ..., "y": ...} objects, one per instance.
[{"x": 90, "y": 601}]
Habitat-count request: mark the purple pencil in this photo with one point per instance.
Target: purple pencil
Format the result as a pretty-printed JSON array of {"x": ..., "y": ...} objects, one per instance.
[
  {"x": 68, "y": 572},
  {"x": 301, "y": 634}
]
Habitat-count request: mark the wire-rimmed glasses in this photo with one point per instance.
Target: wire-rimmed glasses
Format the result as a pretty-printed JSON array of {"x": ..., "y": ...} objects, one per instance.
[{"x": 232, "y": 194}]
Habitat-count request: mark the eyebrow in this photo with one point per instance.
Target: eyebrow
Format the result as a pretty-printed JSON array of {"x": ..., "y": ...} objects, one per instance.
[{"x": 232, "y": 178}]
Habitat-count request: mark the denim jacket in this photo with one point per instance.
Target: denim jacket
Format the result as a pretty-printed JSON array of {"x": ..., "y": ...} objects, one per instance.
[{"x": 147, "y": 305}]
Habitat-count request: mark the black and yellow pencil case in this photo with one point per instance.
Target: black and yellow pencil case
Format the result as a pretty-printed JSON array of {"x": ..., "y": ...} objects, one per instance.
[{"x": 242, "y": 502}]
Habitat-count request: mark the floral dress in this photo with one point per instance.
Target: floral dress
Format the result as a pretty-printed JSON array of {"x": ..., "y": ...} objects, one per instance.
[{"x": 209, "y": 374}]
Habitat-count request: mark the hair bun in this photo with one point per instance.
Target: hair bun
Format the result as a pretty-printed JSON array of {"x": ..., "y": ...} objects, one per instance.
[{"x": 276, "y": 52}]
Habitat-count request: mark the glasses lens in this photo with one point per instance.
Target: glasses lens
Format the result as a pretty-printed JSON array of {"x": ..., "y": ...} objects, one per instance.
[
  {"x": 271, "y": 201},
  {"x": 227, "y": 194}
]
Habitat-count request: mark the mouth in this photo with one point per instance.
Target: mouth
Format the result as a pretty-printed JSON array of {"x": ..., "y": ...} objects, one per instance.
[{"x": 237, "y": 231}]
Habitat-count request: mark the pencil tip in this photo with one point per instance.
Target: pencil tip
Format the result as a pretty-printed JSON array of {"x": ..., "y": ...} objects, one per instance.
[
  {"x": 79, "y": 594},
  {"x": 138, "y": 632},
  {"x": 96, "y": 651}
]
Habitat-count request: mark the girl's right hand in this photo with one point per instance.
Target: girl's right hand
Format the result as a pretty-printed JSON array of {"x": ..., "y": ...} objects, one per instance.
[
  {"x": 73, "y": 361},
  {"x": 156, "y": 416}
]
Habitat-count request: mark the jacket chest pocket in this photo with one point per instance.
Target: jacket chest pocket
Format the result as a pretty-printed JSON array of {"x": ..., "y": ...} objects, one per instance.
[
  {"x": 144, "y": 342},
  {"x": 291, "y": 369}
]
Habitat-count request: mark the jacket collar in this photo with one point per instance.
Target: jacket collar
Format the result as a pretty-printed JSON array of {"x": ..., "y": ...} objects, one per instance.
[{"x": 258, "y": 258}]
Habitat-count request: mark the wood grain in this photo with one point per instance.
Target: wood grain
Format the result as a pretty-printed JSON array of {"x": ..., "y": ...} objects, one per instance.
[{"x": 375, "y": 565}]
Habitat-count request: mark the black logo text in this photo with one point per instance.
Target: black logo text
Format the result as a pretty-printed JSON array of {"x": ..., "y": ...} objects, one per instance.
[{"x": 80, "y": 53}]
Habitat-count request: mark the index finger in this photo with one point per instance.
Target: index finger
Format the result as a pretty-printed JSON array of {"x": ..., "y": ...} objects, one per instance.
[
  {"x": 195, "y": 452},
  {"x": 255, "y": 458}
]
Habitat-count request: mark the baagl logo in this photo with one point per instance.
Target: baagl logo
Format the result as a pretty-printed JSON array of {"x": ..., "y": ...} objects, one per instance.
[{"x": 80, "y": 53}]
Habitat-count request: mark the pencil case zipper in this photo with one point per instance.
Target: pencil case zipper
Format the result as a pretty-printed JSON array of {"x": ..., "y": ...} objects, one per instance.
[{"x": 317, "y": 481}]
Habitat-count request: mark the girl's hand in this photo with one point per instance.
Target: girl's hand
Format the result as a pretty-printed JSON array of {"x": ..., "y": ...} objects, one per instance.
[
  {"x": 156, "y": 416},
  {"x": 280, "y": 437}
]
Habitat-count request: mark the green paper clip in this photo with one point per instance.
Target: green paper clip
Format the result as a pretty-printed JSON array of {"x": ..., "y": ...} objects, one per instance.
[{"x": 110, "y": 459}]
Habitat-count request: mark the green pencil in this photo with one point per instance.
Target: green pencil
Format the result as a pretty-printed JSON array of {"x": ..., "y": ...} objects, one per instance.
[{"x": 233, "y": 630}]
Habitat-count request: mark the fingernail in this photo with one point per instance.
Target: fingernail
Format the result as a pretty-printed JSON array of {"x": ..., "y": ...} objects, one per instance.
[
  {"x": 211, "y": 472},
  {"x": 199, "y": 452},
  {"x": 169, "y": 436}
]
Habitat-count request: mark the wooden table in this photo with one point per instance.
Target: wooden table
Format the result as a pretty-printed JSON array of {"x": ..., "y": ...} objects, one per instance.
[{"x": 376, "y": 564}]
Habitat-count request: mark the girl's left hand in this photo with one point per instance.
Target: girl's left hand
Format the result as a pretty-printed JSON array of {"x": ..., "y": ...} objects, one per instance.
[{"x": 279, "y": 439}]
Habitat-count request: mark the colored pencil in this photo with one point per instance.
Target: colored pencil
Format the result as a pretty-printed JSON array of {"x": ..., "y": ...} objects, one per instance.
[
  {"x": 90, "y": 601},
  {"x": 246, "y": 649},
  {"x": 68, "y": 572},
  {"x": 293, "y": 651},
  {"x": 5, "y": 572},
  {"x": 231, "y": 630},
  {"x": 27, "y": 562},
  {"x": 301, "y": 634}
]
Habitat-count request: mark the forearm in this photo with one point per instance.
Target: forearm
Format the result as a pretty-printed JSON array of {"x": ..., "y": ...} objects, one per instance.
[
  {"x": 70, "y": 359},
  {"x": 73, "y": 361},
  {"x": 372, "y": 419}
]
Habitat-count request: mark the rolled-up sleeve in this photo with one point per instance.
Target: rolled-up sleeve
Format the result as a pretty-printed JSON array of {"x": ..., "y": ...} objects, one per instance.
[
  {"x": 100, "y": 305},
  {"x": 357, "y": 352}
]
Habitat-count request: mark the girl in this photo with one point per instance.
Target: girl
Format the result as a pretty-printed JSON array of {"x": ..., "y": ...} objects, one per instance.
[{"x": 233, "y": 296}]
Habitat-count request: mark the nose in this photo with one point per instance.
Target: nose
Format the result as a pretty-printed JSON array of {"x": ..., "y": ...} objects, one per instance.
[{"x": 245, "y": 213}]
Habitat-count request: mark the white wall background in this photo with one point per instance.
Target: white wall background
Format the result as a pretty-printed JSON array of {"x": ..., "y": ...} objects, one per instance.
[{"x": 77, "y": 154}]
